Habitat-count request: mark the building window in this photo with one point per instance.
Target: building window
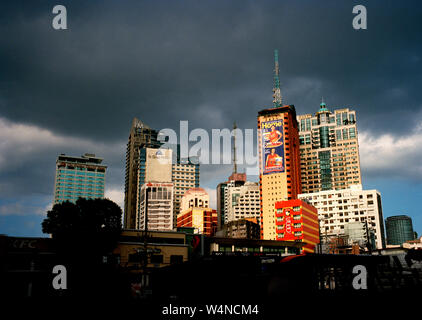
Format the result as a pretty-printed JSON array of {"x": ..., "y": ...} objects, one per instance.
[
  {"x": 157, "y": 258},
  {"x": 176, "y": 259}
]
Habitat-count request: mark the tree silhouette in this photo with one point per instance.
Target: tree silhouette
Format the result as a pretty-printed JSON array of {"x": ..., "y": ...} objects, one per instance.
[
  {"x": 94, "y": 224},
  {"x": 84, "y": 232}
]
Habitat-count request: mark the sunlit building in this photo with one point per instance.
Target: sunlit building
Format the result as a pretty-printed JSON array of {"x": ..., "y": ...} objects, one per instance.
[{"x": 329, "y": 150}]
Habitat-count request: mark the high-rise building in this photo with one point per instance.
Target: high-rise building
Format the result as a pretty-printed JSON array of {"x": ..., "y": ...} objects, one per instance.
[
  {"x": 195, "y": 198},
  {"x": 155, "y": 206},
  {"x": 155, "y": 173},
  {"x": 242, "y": 202},
  {"x": 79, "y": 177},
  {"x": 196, "y": 213},
  {"x": 297, "y": 221},
  {"x": 399, "y": 229},
  {"x": 279, "y": 158},
  {"x": 329, "y": 150},
  {"x": 185, "y": 175},
  {"x": 221, "y": 196},
  {"x": 337, "y": 208},
  {"x": 141, "y": 136},
  {"x": 235, "y": 180}
]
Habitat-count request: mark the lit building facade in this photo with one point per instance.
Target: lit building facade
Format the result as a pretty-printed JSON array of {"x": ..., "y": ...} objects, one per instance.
[
  {"x": 329, "y": 150},
  {"x": 155, "y": 206},
  {"x": 204, "y": 220},
  {"x": 242, "y": 202},
  {"x": 297, "y": 221},
  {"x": 279, "y": 162},
  {"x": 79, "y": 177},
  {"x": 185, "y": 175},
  {"x": 154, "y": 179},
  {"x": 337, "y": 208},
  {"x": 279, "y": 157},
  {"x": 195, "y": 198},
  {"x": 196, "y": 213},
  {"x": 399, "y": 229},
  {"x": 235, "y": 180}
]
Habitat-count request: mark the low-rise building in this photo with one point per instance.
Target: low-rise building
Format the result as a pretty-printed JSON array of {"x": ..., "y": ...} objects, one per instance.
[
  {"x": 241, "y": 229},
  {"x": 296, "y": 220},
  {"x": 337, "y": 208}
]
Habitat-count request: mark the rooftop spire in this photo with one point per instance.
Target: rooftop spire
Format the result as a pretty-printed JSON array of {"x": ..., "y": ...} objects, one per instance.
[{"x": 277, "y": 91}]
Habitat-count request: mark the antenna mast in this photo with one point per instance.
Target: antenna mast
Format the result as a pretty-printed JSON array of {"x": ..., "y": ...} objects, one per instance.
[{"x": 277, "y": 91}]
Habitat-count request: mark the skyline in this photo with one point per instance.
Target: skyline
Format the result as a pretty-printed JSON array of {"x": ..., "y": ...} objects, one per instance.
[{"x": 76, "y": 91}]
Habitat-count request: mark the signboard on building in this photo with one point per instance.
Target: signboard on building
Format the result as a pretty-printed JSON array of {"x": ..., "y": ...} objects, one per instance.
[{"x": 272, "y": 147}]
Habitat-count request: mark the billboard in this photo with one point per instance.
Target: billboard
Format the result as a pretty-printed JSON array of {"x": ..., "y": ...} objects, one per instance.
[
  {"x": 272, "y": 144},
  {"x": 158, "y": 165}
]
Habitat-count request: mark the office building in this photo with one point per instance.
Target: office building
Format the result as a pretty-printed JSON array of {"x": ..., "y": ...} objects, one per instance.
[
  {"x": 279, "y": 158},
  {"x": 399, "y": 229},
  {"x": 185, "y": 175},
  {"x": 155, "y": 175},
  {"x": 329, "y": 150},
  {"x": 242, "y": 202},
  {"x": 241, "y": 229},
  {"x": 155, "y": 206},
  {"x": 196, "y": 213},
  {"x": 141, "y": 136},
  {"x": 297, "y": 221},
  {"x": 195, "y": 198},
  {"x": 337, "y": 208},
  {"x": 79, "y": 177},
  {"x": 203, "y": 220},
  {"x": 235, "y": 180}
]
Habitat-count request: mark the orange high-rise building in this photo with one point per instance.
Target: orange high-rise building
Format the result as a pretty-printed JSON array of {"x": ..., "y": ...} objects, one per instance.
[
  {"x": 279, "y": 157},
  {"x": 279, "y": 162}
]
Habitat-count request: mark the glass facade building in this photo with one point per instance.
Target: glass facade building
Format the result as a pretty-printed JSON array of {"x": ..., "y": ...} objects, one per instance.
[
  {"x": 399, "y": 229},
  {"x": 79, "y": 177},
  {"x": 329, "y": 150}
]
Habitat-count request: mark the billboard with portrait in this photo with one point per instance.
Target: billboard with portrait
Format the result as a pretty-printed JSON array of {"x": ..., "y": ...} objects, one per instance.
[{"x": 272, "y": 147}]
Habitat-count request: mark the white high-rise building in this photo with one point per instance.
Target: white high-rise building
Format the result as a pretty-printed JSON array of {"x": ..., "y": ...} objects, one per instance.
[
  {"x": 156, "y": 204},
  {"x": 155, "y": 195},
  {"x": 242, "y": 202},
  {"x": 337, "y": 208}
]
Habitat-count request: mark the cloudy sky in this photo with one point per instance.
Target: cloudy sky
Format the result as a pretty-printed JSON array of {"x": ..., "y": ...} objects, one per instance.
[{"x": 209, "y": 62}]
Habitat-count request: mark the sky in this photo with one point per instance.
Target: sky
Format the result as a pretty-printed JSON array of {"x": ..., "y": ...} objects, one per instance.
[{"x": 208, "y": 62}]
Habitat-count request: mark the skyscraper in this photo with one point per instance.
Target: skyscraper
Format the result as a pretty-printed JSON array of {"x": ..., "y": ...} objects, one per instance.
[
  {"x": 399, "y": 229},
  {"x": 79, "y": 177},
  {"x": 279, "y": 158},
  {"x": 141, "y": 136},
  {"x": 329, "y": 150},
  {"x": 185, "y": 175}
]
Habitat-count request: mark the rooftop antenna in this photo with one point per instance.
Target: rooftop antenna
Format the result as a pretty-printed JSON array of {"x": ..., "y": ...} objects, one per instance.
[
  {"x": 277, "y": 91},
  {"x": 234, "y": 149}
]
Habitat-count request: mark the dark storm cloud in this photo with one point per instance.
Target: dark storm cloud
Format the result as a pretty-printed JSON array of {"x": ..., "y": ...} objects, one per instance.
[
  {"x": 164, "y": 61},
  {"x": 209, "y": 62}
]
